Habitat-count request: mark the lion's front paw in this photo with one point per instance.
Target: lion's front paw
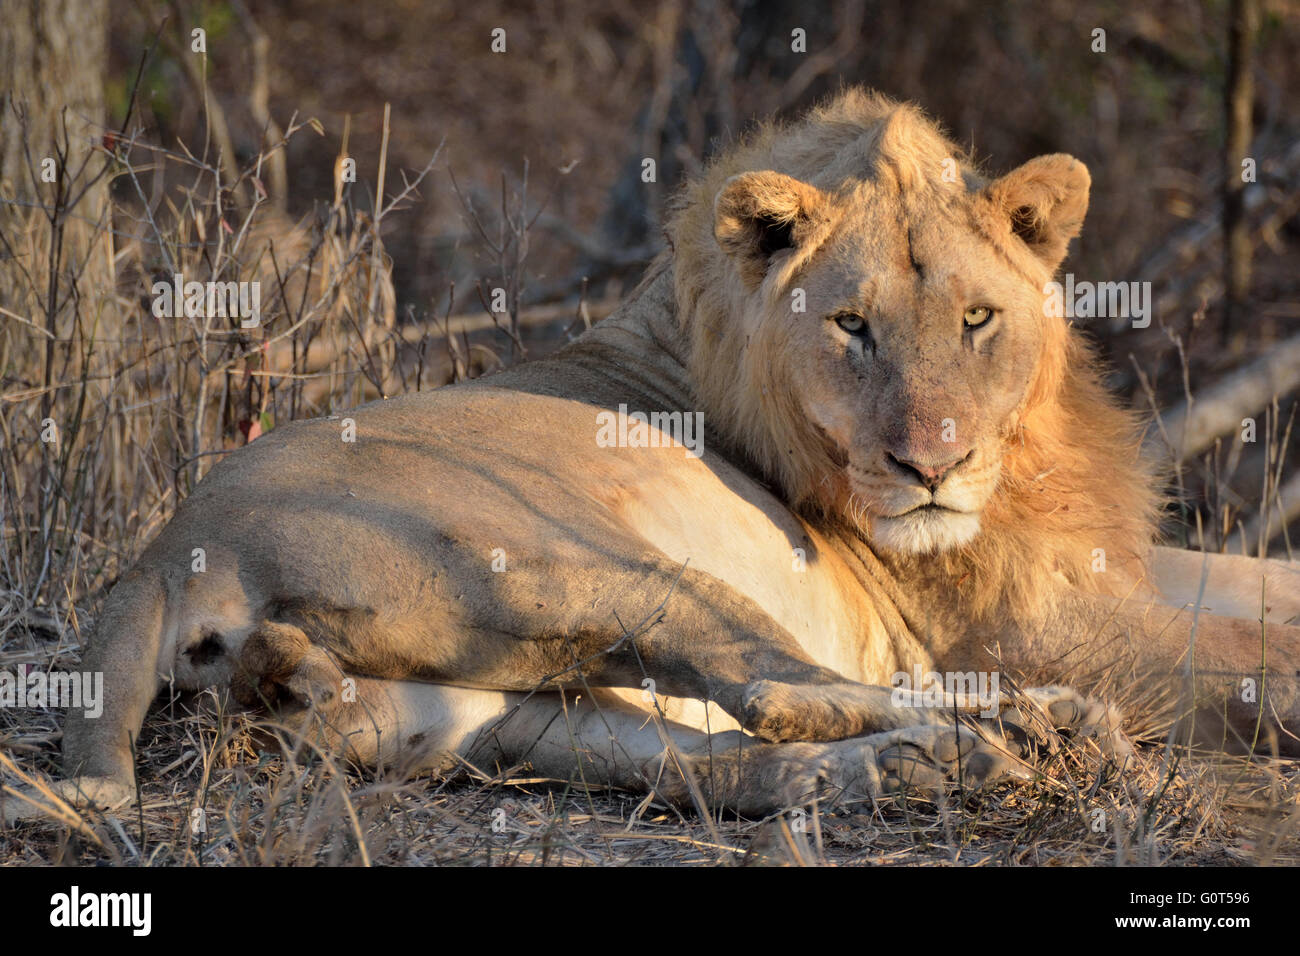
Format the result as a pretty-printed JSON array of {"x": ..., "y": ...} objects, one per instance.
[
  {"x": 779, "y": 712},
  {"x": 1065, "y": 711}
]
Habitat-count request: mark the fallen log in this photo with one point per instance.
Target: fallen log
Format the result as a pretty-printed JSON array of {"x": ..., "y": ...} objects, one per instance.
[{"x": 1191, "y": 427}]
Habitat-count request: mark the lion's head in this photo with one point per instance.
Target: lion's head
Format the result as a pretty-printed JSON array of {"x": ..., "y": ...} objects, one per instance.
[{"x": 867, "y": 324}]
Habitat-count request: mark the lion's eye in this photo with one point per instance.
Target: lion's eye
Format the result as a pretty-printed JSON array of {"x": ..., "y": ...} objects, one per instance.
[
  {"x": 976, "y": 316},
  {"x": 852, "y": 324}
]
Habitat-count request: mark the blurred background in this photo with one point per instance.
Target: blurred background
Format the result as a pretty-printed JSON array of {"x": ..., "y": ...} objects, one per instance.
[
  {"x": 508, "y": 140},
  {"x": 595, "y": 87}
]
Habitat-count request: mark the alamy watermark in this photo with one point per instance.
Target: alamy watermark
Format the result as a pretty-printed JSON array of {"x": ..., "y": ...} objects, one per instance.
[
  {"x": 62, "y": 689},
  {"x": 1098, "y": 300},
  {"x": 940, "y": 691},
  {"x": 624, "y": 429},
  {"x": 195, "y": 300},
  {"x": 73, "y": 909}
]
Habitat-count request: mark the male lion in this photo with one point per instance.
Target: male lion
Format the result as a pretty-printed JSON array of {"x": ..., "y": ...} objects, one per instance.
[{"x": 907, "y": 465}]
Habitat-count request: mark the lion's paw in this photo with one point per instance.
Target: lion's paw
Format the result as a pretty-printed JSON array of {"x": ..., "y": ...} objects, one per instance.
[
  {"x": 928, "y": 757},
  {"x": 781, "y": 712},
  {"x": 924, "y": 758},
  {"x": 1069, "y": 713},
  {"x": 28, "y": 803},
  {"x": 279, "y": 667}
]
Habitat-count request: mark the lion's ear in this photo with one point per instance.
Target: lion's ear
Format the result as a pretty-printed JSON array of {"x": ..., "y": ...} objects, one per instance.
[
  {"x": 1042, "y": 203},
  {"x": 756, "y": 216}
]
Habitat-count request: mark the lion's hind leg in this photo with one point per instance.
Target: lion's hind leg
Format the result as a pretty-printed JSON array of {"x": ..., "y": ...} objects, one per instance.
[
  {"x": 593, "y": 739},
  {"x": 279, "y": 667},
  {"x": 598, "y": 740},
  {"x": 1228, "y": 585},
  {"x": 609, "y": 742},
  {"x": 370, "y": 721}
]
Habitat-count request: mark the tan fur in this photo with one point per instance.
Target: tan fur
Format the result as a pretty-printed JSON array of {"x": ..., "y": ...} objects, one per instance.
[
  {"x": 1071, "y": 473},
  {"x": 882, "y": 488}
]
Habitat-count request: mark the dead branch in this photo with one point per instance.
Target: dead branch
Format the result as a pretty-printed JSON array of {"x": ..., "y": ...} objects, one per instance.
[{"x": 1192, "y": 426}]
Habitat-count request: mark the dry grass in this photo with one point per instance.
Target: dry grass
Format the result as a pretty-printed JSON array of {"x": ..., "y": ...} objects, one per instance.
[{"x": 288, "y": 806}]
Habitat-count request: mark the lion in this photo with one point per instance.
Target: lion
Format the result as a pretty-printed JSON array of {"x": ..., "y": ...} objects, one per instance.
[{"x": 905, "y": 466}]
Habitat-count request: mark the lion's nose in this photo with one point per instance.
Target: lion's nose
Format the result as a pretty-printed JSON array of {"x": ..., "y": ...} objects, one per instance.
[{"x": 931, "y": 475}]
